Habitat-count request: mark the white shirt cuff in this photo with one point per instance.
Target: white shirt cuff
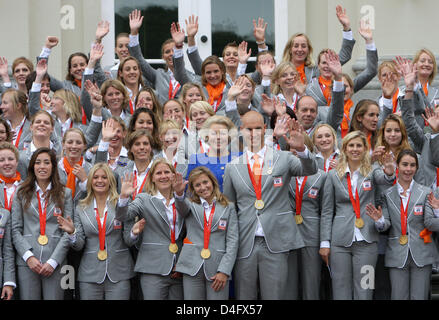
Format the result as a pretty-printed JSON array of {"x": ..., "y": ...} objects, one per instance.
[
  {"x": 338, "y": 86},
  {"x": 134, "y": 40},
  {"x": 176, "y": 196},
  {"x": 417, "y": 86},
  {"x": 379, "y": 224},
  {"x": 88, "y": 155},
  {"x": 83, "y": 185},
  {"x": 178, "y": 53},
  {"x": 303, "y": 154},
  {"x": 133, "y": 236},
  {"x": 241, "y": 69},
  {"x": 191, "y": 49},
  {"x": 266, "y": 83},
  {"x": 371, "y": 46},
  {"x": 27, "y": 255},
  {"x": 325, "y": 244},
  {"x": 231, "y": 105},
  {"x": 10, "y": 283},
  {"x": 52, "y": 263},
  {"x": 45, "y": 53},
  {"x": 123, "y": 202},
  {"x": 103, "y": 146},
  {"x": 7, "y": 84},
  {"x": 72, "y": 238},
  {"x": 436, "y": 213},
  {"x": 97, "y": 119},
  {"x": 88, "y": 71},
  {"x": 388, "y": 103},
  {"x": 36, "y": 87},
  {"x": 434, "y": 136},
  {"x": 348, "y": 35}
]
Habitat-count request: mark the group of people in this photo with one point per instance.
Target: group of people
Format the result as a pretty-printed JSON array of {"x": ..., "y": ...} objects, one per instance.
[{"x": 215, "y": 183}]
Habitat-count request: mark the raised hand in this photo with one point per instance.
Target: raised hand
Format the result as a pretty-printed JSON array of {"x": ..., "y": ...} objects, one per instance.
[
  {"x": 365, "y": 31},
  {"x": 177, "y": 34},
  {"x": 95, "y": 94},
  {"x": 109, "y": 130},
  {"x": 299, "y": 87},
  {"x": 388, "y": 161},
  {"x": 267, "y": 104},
  {"x": 66, "y": 224},
  {"x": 433, "y": 201},
  {"x": 432, "y": 117},
  {"x": 281, "y": 128},
  {"x": 407, "y": 70},
  {"x": 343, "y": 18},
  {"x": 97, "y": 52},
  {"x": 296, "y": 140},
  {"x": 377, "y": 153},
  {"x": 192, "y": 26},
  {"x": 45, "y": 100},
  {"x": 236, "y": 89},
  {"x": 127, "y": 188},
  {"x": 267, "y": 67},
  {"x": 102, "y": 30},
  {"x": 41, "y": 70},
  {"x": 259, "y": 29},
  {"x": 138, "y": 227},
  {"x": 51, "y": 42},
  {"x": 79, "y": 172},
  {"x": 136, "y": 20},
  {"x": 179, "y": 184},
  {"x": 334, "y": 64},
  {"x": 4, "y": 73},
  {"x": 243, "y": 55},
  {"x": 373, "y": 212}
]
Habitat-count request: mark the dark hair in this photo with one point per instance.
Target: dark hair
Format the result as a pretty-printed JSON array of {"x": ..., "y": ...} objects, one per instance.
[
  {"x": 155, "y": 131},
  {"x": 30, "y": 79},
  {"x": 8, "y": 130},
  {"x": 408, "y": 152},
  {"x": 273, "y": 118},
  {"x": 360, "y": 110},
  {"x": 156, "y": 105},
  {"x": 230, "y": 45},
  {"x": 27, "y": 188},
  {"x": 69, "y": 64}
]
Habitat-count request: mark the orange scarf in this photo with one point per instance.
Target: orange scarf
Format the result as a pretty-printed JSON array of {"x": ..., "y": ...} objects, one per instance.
[
  {"x": 71, "y": 178},
  {"x": 425, "y": 234},
  {"x": 346, "y": 118},
  {"x": 395, "y": 100},
  {"x": 369, "y": 140},
  {"x": 425, "y": 88},
  {"x": 78, "y": 83},
  {"x": 301, "y": 70},
  {"x": 11, "y": 180},
  {"x": 215, "y": 93},
  {"x": 327, "y": 89}
]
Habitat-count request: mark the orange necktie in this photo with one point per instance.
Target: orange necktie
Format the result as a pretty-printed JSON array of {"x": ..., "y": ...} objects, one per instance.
[
  {"x": 257, "y": 170},
  {"x": 71, "y": 178}
]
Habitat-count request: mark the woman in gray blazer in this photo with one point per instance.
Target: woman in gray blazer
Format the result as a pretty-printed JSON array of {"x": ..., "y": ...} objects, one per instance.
[
  {"x": 106, "y": 266},
  {"x": 162, "y": 237},
  {"x": 41, "y": 246},
  {"x": 348, "y": 238},
  {"x": 326, "y": 147},
  {"x": 406, "y": 210},
  {"x": 210, "y": 247}
]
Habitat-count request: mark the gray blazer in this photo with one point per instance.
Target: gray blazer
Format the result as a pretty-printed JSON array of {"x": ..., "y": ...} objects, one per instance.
[
  {"x": 25, "y": 135},
  {"x": 276, "y": 218},
  {"x": 119, "y": 264},
  {"x": 337, "y": 222},
  {"x": 78, "y": 193},
  {"x": 421, "y": 143},
  {"x": 154, "y": 256},
  {"x": 26, "y": 229},
  {"x": 311, "y": 207},
  {"x": 223, "y": 243},
  {"x": 423, "y": 253},
  {"x": 434, "y": 147},
  {"x": 7, "y": 252}
]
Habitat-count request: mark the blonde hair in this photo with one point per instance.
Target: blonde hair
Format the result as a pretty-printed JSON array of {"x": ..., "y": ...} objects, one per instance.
[
  {"x": 25, "y": 61},
  {"x": 150, "y": 186},
  {"x": 76, "y": 130},
  {"x": 72, "y": 105},
  {"x": 167, "y": 125},
  {"x": 116, "y": 84},
  {"x": 18, "y": 98},
  {"x": 433, "y": 58},
  {"x": 186, "y": 87},
  {"x": 389, "y": 64},
  {"x": 201, "y": 105},
  {"x": 40, "y": 112},
  {"x": 277, "y": 72},
  {"x": 221, "y": 120},
  {"x": 197, "y": 172},
  {"x": 112, "y": 192},
  {"x": 366, "y": 166},
  {"x": 287, "y": 50},
  {"x": 334, "y": 134},
  {"x": 9, "y": 146}
]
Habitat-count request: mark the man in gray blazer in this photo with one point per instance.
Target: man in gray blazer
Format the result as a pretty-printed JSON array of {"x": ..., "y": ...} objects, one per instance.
[{"x": 267, "y": 231}]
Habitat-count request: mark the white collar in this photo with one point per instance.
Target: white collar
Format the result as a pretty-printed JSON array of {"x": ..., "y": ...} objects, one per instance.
[
  {"x": 336, "y": 152},
  {"x": 33, "y": 148},
  {"x": 206, "y": 204},
  {"x": 144, "y": 172},
  {"x": 159, "y": 196},
  {"x": 49, "y": 187},
  {"x": 349, "y": 170},
  {"x": 19, "y": 126},
  {"x": 401, "y": 189},
  {"x": 260, "y": 153}
]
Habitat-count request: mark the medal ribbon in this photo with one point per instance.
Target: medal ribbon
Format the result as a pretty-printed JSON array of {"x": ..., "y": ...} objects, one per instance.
[
  {"x": 131, "y": 107},
  {"x": 173, "y": 90},
  {"x": 395, "y": 100},
  {"x": 437, "y": 177},
  {"x": 8, "y": 204},
  {"x": 396, "y": 177},
  {"x": 324, "y": 164},
  {"x": 135, "y": 183},
  {"x": 208, "y": 226},
  {"x": 174, "y": 218},
  {"x": 101, "y": 229},
  {"x": 257, "y": 185},
  {"x": 299, "y": 195},
  {"x": 42, "y": 215},
  {"x": 404, "y": 217},
  {"x": 17, "y": 141},
  {"x": 355, "y": 202}
]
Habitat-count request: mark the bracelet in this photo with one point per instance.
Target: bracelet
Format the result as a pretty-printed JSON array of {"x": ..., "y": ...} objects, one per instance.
[
  {"x": 261, "y": 42},
  {"x": 179, "y": 46}
]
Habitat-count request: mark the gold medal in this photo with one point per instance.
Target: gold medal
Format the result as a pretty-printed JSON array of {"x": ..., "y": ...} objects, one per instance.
[
  {"x": 359, "y": 223},
  {"x": 205, "y": 253},
  {"x": 43, "y": 240},
  {"x": 259, "y": 204},
  {"x": 173, "y": 248},
  {"x": 269, "y": 171},
  {"x": 299, "y": 219},
  {"x": 102, "y": 255},
  {"x": 403, "y": 239}
]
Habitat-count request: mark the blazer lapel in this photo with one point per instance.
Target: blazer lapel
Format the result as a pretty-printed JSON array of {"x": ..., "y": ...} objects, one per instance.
[
  {"x": 242, "y": 171},
  {"x": 219, "y": 213},
  {"x": 311, "y": 181},
  {"x": 270, "y": 161},
  {"x": 90, "y": 215},
  {"x": 160, "y": 208},
  {"x": 110, "y": 218},
  {"x": 414, "y": 198}
]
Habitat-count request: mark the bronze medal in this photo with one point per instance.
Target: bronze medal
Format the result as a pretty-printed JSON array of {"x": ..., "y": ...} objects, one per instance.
[
  {"x": 173, "y": 248},
  {"x": 403, "y": 239},
  {"x": 259, "y": 204},
  {"x": 102, "y": 255},
  {"x": 205, "y": 253},
  {"x": 299, "y": 219},
  {"x": 43, "y": 240},
  {"x": 359, "y": 223}
]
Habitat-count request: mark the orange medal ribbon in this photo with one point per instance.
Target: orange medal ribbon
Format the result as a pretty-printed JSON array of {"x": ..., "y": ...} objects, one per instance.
[
  {"x": 208, "y": 227},
  {"x": 299, "y": 195},
  {"x": 42, "y": 215},
  {"x": 101, "y": 228},
  {"x": 355, "y": 202}
]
